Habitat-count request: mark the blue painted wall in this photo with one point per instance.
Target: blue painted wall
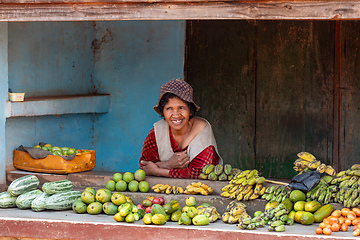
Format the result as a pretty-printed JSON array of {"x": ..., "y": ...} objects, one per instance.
[
  {"x": 128, "y": 59},
  {"x": 3, "y": 97}
]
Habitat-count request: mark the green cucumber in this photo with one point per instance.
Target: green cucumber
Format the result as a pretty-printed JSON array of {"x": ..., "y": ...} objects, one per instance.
[
  {"x": 6, "y": 200},
  {"x": 38, "y": 204},
  {"x": 57, "y": 187},
  {"x": 24, "y": 200},
  {"x": 23, "y": 184},
  {"x": 62, "y": 201}
]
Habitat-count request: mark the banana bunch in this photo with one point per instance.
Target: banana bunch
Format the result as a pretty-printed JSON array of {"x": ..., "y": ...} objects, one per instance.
[
  {"x": 218, "y": 172},
  {"x": 307, "y": 162},
  {"x": 323, "y": 192},
  {"x": 166, "y": 188},
  {"x": 276, "y": 193},
  {"x": 210, "y": 212},
  {"x": 235, "y": 211},
  {"x": 343, "y": 188},
  {"x": 198, "y": 187},
  {"x": 246, "y": 185},
  {"x": 276, "y": 218}
]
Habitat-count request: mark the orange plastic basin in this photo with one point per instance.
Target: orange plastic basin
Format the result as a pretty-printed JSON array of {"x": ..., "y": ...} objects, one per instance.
[{"x": 55, "y": 164}]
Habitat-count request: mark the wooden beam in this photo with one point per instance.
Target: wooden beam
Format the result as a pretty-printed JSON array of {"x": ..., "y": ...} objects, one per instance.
[{"x": 176, "y": 10}]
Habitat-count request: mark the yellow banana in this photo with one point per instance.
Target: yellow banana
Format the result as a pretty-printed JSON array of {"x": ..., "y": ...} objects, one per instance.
[
  {"x": 227, "y": 187},
  {"x": 196, "y": 184},
  {"x": 306, "y": 156},
  {"x": 247, "y": 196},
  {"x": 330, "y": 170},
  {"x": 180, "y": 190},
  {"x": 225, "y": 194},
  {"x": 169, "y": 190},
  {"x": 314, "y": 164},
  {"x": 225, "y": 217},
  {"x": 164, "y": 187},
  {"x": 321, "y": 168},
  {"x": 157, "y": 186}
]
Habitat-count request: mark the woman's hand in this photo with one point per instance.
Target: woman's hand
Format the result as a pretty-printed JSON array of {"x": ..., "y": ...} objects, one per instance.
[
  {"x": 151, "y": 169},
  {"x": 179, "y": 160}
]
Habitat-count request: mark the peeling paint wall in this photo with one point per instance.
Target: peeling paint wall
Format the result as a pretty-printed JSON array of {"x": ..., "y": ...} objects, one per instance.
[{"x": 128, "y": 59}]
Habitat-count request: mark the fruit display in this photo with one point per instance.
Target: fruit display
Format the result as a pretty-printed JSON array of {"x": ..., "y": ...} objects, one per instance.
[
  {"x": 133, "y": 182},
  {"x": 147, "y": 203},
  {"x": 166, "y": 188},
  {"x": 274, "y": 217},
  {"x": 198, "y": 187},
  {"x": 340, "y": 220},
  {"x": 245, "y": 185},
  {"x": 276, "y": 193},
  {"x": 235, "y": 211},
  {"x": 24, "y": 193},
  {"x": 218, "y": 172},
  {"x": 59, "y": 151},
  {"x": 307, "y": 162}
]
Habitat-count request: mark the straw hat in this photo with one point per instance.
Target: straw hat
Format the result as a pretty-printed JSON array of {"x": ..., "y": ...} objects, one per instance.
[{"x": 180, "y": 88}]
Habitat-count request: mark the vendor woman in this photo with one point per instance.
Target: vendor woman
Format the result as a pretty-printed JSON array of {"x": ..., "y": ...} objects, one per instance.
[{"x": 180, "y": 144}]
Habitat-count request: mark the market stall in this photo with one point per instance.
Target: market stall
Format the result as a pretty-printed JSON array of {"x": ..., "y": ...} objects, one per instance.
[{"x": 326, "y": 124}]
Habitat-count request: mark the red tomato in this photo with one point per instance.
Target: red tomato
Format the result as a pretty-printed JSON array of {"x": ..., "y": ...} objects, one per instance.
[
  {"x": 344, "y": 227},
  {"x": 351, "y": 215},
  {"x": 348, "y": 221},
  {"x": 318, "y": 230},
  {"x": 355, "y": 227},
  {"x": 336, "y": 213},
  {"x": 335, "y": 227},
  {"x": 356, "y": 211},
  {"x": 327, "y": 231},
  {"x": 345, "y": 211},
  {"x": 355, "y": 221},
  {"x": 333, "y": 220},
  {"x": 322, "y": 225},
  {"x": 356, "y": 232}
]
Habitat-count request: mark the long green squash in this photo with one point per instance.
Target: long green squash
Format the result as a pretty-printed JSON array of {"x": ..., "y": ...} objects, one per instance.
[
  {"x": 23, "y": 184},
  {"x": 6, "y": 200},
  {"x": 57, "y": 187},
  {"x": 39, "y": 203},
  {"x": 62, "y": 201},
  {"x": 24, "y": 200}
]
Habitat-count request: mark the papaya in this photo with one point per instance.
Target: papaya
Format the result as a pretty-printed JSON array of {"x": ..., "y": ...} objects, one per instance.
[
  {"x": 171, "y": 206},
  {"x": 270, "y": 204},
  {"x": 288, "y": 204},
  {"x": 125, "y": 209},
  {"x": 307, "y": 218},
  {"x": 297, "y": 195},
  {"x": 158, "y": 219},
  {"x": 323, "y": 212},
  {"x": 299, "y": 206},
  {"x": 200, "y": 220},
  {"x": 158, "y": 209},
  {"x": 312, "y": 206},
  {"x": 175, "y": 216},
  {"x": 292, "y": 215},
  {"x": 298, "y": 216}
]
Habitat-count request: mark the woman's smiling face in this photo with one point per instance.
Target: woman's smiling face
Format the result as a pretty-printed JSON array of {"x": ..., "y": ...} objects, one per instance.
[{"x": 176, "y": 113}]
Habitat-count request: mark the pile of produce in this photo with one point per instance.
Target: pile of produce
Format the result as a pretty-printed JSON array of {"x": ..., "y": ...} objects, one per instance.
[
  {"x": 245, "y": 185},
  {"x": 235, "y": 211},
  {"x": 24, "y": 193},
  {"x": 218, "y": 172},
  {"x": 129, "y": 181},
  {"x": 308, "y": 162},
  {"x": 58, "y": 151},
  {"x": 166, "y": 188}
]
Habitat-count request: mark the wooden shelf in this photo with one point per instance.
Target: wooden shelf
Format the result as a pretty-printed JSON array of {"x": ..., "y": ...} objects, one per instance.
[
  {"x": 100, "y": 10},
  {"x": 58, "y": 105}
]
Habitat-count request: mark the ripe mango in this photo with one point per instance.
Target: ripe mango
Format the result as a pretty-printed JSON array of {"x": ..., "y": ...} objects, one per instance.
[
  {"x": 200, "y": 220},
  {"x": 158, "y": 219},
  {"x": 147, "y": 219}
]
